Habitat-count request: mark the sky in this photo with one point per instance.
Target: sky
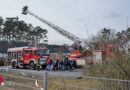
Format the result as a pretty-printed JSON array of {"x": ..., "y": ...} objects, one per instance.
[{"x": 82, "y": 18}]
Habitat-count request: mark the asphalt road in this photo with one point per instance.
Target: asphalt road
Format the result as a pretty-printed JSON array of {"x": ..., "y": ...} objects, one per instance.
[{"x": 65, "y": 74}]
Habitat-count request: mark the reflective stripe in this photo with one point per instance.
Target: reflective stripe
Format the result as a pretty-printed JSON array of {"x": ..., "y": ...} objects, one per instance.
[
  {"x": 38, "y": 62},
  {"x": 83, "y": 50}
]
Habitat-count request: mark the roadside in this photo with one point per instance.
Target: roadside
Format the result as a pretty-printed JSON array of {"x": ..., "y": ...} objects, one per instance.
[
  {"x": 66, "y": 74},
  {"x": 16, "y": 81}
]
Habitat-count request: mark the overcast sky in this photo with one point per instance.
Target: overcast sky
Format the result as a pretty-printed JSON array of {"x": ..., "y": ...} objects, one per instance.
[{"x": 72, "y": 15}]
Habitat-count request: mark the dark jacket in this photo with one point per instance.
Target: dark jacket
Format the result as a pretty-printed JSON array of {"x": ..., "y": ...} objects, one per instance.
[{"x": 66, "y": 61}]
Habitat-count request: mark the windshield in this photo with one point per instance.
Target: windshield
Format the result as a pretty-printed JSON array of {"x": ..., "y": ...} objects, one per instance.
[{"x": 43, "y": 52}]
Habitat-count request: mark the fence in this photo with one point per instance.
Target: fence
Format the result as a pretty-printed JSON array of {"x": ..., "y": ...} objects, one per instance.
[
  {"x": 87, "y": 83},
  {"x": 53, "y": 81},
  {"x": 20, "y": 81}
]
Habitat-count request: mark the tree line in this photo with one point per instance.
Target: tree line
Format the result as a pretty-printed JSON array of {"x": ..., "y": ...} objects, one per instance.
[
  {"x": 110, "y": 36},
  {"x": 116, "y": 66},
  {"x": 13, "y": 29}
]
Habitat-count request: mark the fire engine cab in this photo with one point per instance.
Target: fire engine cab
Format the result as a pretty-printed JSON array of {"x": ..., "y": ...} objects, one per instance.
[{"x": 26, "y": 56}]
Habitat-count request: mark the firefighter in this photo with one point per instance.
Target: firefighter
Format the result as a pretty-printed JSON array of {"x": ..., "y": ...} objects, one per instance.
[
  {"x": 38, "y": 64},
  {"x": 80, "y": 48},
  {"x": 83, "y": 50},
  {"x": 66, "y": 63}
]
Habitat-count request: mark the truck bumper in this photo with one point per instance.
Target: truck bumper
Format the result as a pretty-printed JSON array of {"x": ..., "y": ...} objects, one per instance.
[
  {"x": 43, "y": 62},
  {"x": 80, "y": 62}
]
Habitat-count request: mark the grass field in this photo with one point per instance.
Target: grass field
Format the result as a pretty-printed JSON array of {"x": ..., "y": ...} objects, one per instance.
[{"x": 54, "y": 83}]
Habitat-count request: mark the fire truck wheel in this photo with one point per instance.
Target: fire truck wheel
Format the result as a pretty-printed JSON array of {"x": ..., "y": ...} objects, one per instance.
[
  {"x": 44, "y": 66},
  {"x": 17, "y": 67},
  {"x": 32, "y": 65},
  {"x": 24, "y": 67}
]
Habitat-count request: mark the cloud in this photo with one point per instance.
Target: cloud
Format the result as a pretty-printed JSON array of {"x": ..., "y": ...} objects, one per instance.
[{"x": 113, "y": 14}]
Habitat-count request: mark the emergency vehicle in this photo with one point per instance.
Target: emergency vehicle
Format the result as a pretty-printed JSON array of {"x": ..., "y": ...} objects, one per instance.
[
  {"x": 95, "y": 56},
  {"x": 27, "y": 56},
  {"x": 77, "y": 55}
]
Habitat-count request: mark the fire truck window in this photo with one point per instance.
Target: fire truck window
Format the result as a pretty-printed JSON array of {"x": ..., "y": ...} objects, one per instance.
[
  {"x": 27, "y": 52},
  {"x": 35, "y": 52},
  {"x": 48, "y": 52},
  {"x": 14, "y": 55},
  {"x": 30, "y": 52},
  {"x": 9, "y": 55},
  {"x": 43, "y": 52}
]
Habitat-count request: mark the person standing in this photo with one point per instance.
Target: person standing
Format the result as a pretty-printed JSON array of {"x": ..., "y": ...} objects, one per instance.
[
  {"x": 73, "y": 65},
  {"x": 49, "y": 64},
  {"x": 57, "y": 64},
  {"x": 66, "y": 63},
  {"x": 38, "y": 64},
  {"x": 70, "y": 65},
  {"x": 54, "y": 65},
  {"x": 61, "y": 65}
]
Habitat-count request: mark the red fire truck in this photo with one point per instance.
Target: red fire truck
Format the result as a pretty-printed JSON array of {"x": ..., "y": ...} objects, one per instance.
[
  {"x": 112, "y": 49},
  {"x": 94, "y": 56},
  {"x": 78, "y": 57},
  {"x": 26, "y": 56}
]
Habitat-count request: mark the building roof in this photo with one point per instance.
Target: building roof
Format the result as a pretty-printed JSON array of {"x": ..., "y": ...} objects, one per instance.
[{"x": 4, "y": 45}]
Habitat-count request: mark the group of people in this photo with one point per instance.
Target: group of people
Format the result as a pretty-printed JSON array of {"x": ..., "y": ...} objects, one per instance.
[{"x": 62, "y": 65}]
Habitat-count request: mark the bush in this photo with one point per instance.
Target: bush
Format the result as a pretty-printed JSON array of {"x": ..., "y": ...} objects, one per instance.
[{"x": 117, "y": 67}]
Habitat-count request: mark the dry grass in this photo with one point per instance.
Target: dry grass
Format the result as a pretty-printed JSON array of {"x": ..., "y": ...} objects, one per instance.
[
  {"x": 54, "y": 83},
  {"x": 117, "y": 67},
  {"x": 65, "y": 83},
  {"x": 19, "y": 81}
]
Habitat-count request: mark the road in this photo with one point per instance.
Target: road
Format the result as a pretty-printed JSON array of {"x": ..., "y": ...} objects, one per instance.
[{"x": 65, "y": 74}]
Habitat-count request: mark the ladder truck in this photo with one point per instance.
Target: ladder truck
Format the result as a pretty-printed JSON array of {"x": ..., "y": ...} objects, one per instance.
[{"x": 77, "y": 55}]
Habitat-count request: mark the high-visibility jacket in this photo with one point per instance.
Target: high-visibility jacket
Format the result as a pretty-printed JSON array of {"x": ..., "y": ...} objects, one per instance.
[
  {"x": 38, "y": 62},
  {"x": 83, "y": 50}
]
